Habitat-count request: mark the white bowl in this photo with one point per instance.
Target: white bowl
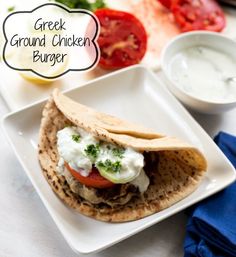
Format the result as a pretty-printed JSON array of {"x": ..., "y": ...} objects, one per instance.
[{"x": 210, "y": 39}]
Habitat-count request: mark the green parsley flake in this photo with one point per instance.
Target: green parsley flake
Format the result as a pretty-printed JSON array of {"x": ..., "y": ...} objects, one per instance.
[
  {"x": 83, "y": 4},
  {"x": 11, "y": 8},
  {"x": 92, "y": 150},
  {"x": 76, "y": 138},
  {"x": 109, "y": 166},
  {"x": 118, "y": 152}
]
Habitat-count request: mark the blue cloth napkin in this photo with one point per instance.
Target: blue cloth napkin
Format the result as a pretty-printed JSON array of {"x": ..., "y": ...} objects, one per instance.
[{"x": 211, "y": 229}]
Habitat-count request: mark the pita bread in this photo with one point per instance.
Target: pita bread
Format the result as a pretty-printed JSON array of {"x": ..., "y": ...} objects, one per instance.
[{"x": 180, "y": 169}]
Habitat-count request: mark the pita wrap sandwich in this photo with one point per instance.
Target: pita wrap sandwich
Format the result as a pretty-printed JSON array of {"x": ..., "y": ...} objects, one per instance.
[{"x": 111, "y": 169}]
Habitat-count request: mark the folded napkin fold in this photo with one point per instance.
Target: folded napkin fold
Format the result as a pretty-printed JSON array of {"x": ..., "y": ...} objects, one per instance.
[{"x": 211, "y": 229}]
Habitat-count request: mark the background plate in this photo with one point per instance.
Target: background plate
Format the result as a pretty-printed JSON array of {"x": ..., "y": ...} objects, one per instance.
[{"x": 136, "y": 95}]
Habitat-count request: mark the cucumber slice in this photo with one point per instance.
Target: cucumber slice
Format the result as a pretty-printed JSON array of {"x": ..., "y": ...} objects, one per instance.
[{"x": 114, "y": 172}]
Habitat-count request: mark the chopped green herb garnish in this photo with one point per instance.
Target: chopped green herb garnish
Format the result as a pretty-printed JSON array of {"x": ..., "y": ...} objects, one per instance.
[
  {"x": 118, "y": 152},
  {"x": 92, "y": 150},
  {"x": 109, "y": 166},
  {"x": 98, "y": 4},
  {"x": 83, "y": 4},
  {"x": 11, "y": 8},
  {"x": 76, "y": 138}
]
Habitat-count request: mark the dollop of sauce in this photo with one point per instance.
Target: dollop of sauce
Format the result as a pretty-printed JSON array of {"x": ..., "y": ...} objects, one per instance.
[
  {"x": 81, "y": 151},
  {"x": 132, "y": 162},
  {"x": 142, "y": 181},
  {"x": 72, "y": 151},
  {"x": 202, "y": 72}
]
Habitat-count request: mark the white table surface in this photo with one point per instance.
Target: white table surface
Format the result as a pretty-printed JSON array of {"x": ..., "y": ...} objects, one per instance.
[{"x": 27, "y": 230}]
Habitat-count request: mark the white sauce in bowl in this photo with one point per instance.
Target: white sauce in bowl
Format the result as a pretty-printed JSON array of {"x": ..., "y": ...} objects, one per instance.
[{"x": 202, "y": 71}]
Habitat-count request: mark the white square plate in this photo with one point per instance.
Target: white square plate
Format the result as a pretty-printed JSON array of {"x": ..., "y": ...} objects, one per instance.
[{"x": 136, "y": 95}]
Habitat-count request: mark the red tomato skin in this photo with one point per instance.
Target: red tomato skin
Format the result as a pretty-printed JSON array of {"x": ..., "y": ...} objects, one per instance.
[
  {"x": 93, "y": 180},
  {"x": 166, "y": 3},
  {"x": 198, "y": 15},
  {"x": 117, "y": 28}
]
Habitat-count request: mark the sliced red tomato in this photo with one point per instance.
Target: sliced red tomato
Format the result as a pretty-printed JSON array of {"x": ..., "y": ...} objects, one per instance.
[
  {"x": 122, "y": 39},
  {"x": 166, "y": 3},
  {"x": 198, "y": 15},
  {"x": 93, "y": 180}
]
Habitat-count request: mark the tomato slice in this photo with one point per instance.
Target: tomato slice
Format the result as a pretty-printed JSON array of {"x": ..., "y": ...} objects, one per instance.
[
  {"x": 166, "y": 3},
  {"x": 122, "y": 39},
  {"x": 198, "y": 15},
  {"x": 93, "y": 180}
]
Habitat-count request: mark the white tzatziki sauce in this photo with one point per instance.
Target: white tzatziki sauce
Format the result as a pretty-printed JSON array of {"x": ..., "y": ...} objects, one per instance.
[
  {"x": 81, "y": 151},
  {"x": 202, "y": 71},
  {"x": 72, "y": 151}
]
